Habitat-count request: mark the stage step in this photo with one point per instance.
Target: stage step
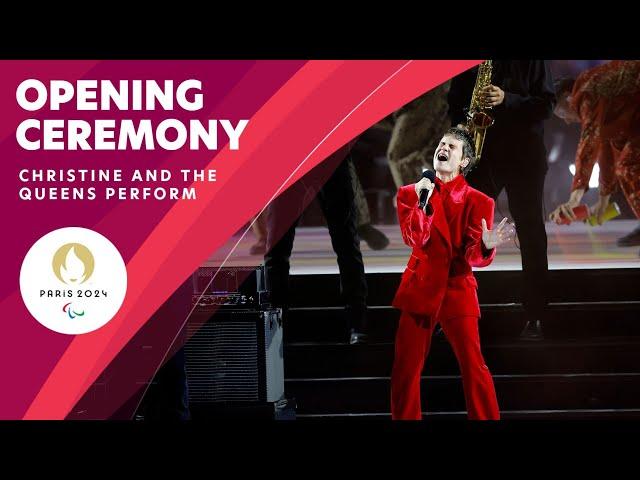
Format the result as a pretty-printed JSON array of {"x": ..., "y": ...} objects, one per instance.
[
  {"x": 444, "y": 393},
  {"x": 588, "y": 366},
  {"x": 499, "y": 321},
  {"x": 604, "y": 355},
  {"x": 579, "y": 414},
  {"x": 495, "y": 287}
]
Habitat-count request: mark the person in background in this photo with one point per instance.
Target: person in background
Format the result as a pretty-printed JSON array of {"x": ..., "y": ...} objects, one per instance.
[
  {"x": 605, "y": 100},
  {"x": 514, "y": 158}
]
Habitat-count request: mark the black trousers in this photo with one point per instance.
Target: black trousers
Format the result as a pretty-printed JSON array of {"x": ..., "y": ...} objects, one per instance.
[
  {"x": 525, "y": 189},
  {"x": 337, "y": 200}
]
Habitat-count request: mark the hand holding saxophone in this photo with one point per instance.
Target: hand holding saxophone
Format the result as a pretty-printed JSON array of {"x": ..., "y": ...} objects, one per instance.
[
  {"x": 484, "y": 96},
  {"x": 492, "y": 95}
]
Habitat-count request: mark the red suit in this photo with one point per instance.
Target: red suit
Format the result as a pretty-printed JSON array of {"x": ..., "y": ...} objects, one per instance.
[{"x": 438, "y": 286}]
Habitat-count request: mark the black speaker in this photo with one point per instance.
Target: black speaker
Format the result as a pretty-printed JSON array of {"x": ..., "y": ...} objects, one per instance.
[{"x": 234, "y": 360}]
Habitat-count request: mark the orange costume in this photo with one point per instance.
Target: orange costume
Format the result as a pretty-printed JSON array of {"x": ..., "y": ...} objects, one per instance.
[{"x": 607, "y": 100}]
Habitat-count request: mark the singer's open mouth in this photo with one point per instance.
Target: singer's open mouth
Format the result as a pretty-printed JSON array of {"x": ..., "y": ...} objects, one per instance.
[{"x": 442, "y": 157}]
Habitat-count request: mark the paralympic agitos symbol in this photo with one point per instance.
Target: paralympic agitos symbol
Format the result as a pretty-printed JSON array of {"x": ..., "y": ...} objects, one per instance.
[{"x": 72, "y": 313}]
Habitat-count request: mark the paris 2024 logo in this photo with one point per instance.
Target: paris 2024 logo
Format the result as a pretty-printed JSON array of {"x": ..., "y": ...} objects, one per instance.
[{"x": 73, "y": 280}]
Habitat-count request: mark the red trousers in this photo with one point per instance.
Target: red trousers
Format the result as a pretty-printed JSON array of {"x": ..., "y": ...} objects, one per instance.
[{"x": 413, "y": 339}]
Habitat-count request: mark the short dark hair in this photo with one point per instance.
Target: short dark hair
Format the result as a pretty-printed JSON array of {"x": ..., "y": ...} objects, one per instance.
[
  {"x": 564, "y": 85},
  {"x": 468, "y": 146}
]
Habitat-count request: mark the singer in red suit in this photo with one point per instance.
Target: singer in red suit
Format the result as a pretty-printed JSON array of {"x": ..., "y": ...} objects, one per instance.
[{"x": 449, "y": 236}]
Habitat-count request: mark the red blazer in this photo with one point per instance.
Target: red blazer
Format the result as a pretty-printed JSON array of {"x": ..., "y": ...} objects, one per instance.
[{"x": 446, "y": 243}]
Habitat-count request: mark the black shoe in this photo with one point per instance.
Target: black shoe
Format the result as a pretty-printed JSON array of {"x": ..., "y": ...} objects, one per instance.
[
  {"x": 358, "y": 338},
  {"x": 532, "y": 331},
  {"x": 631, "y": 239},
  {"x": 374, "y": 237}
]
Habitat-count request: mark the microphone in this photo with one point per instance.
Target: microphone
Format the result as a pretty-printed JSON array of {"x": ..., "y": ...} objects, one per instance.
[{"x": 424, "y": 193}]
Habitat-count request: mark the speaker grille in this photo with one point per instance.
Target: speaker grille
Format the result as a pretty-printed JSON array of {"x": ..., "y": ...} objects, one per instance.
[{"x": 222, "y": 362}]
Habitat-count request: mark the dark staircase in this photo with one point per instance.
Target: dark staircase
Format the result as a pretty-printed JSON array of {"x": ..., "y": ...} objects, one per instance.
[{"x": 588, "y": 366}]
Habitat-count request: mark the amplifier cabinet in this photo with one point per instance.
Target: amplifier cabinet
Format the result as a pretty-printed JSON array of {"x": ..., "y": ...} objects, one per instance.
[{"x": 235, "y": 356}]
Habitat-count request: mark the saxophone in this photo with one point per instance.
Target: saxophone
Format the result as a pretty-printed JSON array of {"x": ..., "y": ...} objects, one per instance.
[{"x": 478, "y": 120}]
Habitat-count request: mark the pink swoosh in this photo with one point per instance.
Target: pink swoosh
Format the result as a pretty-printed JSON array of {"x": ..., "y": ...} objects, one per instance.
[{"x": 309, "y": 117}]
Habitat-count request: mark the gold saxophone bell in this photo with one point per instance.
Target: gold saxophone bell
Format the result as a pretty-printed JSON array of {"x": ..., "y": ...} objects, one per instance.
[{"x": 478, "y": 119}]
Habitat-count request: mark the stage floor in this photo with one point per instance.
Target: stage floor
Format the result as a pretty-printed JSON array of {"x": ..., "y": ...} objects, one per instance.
[{"x": 575, "y": 246}]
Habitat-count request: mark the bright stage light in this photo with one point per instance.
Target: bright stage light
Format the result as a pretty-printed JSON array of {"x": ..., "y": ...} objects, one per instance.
[{"x": 595, "y": 175}]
